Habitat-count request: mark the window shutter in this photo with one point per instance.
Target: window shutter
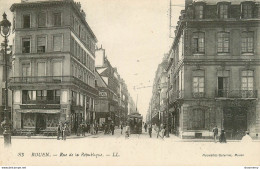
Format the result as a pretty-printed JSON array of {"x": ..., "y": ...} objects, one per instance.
[
  {"x": 57, "y": 43},
  {"x": 57, "y": 69},
  {"x": 41, "y": 41}
]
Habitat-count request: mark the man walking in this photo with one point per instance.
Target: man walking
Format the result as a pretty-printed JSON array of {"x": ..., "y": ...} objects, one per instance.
[
  {"x": 145, "y": 127},
  {"x": 59, "y": 130},
  {"x": 150, "y": 130},
  {"x": 215, "y": 133},
  {"x": 112, "y": 127}
]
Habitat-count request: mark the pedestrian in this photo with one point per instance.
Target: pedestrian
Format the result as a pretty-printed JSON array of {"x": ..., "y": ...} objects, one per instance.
[
  {"x": 222, "y": 137},
  {"x": 162, "y": 132},
  {"x": 121, "y": 127},
  {"x": 64, "y": 132},
  {"x": 215, "y": 133},
  {"x": 150, "y": 129},
  {"x": 59, "y": 130},
  {"x": 83, "y": 129},
  {"x": 246, "y": 138},
  {"x": 88, "y": 128},
  {"x": 78, "y": 130},
  {"x": 145, "y": 127},
  {"x": 112, "y": 127},
  {"x": 127, "y": 131},
  {"x": 96, "y": 128}
]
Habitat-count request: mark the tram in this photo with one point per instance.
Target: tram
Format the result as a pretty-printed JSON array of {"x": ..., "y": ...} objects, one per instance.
[{"x": 135, "y": 123}]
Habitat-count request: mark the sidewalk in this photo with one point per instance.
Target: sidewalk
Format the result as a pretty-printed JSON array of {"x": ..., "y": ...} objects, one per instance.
[
  {"x": 178, "y": 139},
  {"x": 49, "y": 137}
]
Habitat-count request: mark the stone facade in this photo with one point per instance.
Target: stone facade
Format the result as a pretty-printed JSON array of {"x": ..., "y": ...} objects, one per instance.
[{"x": 53, "y": 66}]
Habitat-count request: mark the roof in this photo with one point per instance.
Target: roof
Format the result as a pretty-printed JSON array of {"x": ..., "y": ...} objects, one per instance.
[
  {"x": 213, "y": 2},
  {"x": 40, "y": 3}
]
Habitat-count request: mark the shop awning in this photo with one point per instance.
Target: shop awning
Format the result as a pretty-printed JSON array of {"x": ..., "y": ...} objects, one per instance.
[{"x": 38, "y": 111}]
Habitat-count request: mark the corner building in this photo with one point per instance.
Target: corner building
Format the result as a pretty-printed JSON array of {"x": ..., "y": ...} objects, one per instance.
[
  {"x": 214, "y": 66},
  {"x": 53, "y": 66}
]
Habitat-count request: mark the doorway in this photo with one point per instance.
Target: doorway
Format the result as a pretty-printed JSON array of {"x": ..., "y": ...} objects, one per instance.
[{"x": 40, "y": 122}]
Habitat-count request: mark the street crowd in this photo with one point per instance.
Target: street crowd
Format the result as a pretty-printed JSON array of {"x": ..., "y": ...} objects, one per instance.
[{"x": 109, "y": 128}]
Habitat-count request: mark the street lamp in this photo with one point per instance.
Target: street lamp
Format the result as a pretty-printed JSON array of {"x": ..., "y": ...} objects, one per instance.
[{"x": 5, "y": 26}]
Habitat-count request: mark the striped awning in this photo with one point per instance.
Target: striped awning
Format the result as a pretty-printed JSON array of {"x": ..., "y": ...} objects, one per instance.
[{"x": 44, "y": 111}]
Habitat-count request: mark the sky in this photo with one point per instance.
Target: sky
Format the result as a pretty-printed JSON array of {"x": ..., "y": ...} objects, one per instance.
[{"x": 135, "y": 34}]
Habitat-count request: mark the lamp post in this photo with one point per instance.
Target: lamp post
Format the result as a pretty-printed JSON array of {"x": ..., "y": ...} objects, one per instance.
[{"x": 5, "y": 26}]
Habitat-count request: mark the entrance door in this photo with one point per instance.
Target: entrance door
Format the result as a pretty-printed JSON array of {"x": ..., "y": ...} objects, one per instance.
[
  {"x": 40, "y": 122},
  {"x": 222, "y": 86},
  {"x": 235, "y": 122}
]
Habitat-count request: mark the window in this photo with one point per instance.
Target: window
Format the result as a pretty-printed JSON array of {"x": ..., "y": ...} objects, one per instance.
[
  {"x": 42, "y": 19},
  {"x": 41, "y": 95},
  {"x": 223, "y": 11},
  {"x": 26, "y": 70},
  {"x": 57, "y": 68},
  {"x": 26, "y": 21},
  {"x": 247, "y": 10},
  {"x": 57, "y": 19},
  {"x": 41, "y": 44},
  {"x": 196, "y": 119},
  {"x": 199, "y": 12},
  {"x": 41, "y": 69},
  {"x": 247, "y": 80},
  {"x": 247, "y": 45},
  {"x": 57, "y": 43},
  {"x": 198, "y": 86},
  {"x": 28, "y": 95},
  {"x": 223, "y": 42},
  {"x": 26, "y": 45},
  {"x": 198, "y": 42}
]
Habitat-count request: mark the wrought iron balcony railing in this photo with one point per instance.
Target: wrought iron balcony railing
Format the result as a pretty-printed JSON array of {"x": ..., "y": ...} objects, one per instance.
[
  {"x": 236, "y": 93},
  {"x": 52, "y": 79},
  {"x": 174, "y": 95}
]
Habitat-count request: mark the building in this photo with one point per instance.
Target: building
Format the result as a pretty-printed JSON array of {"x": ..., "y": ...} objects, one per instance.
[
  {"x": 123, "y": 102},
  {"x": 158, "y": 103},
  {"x": 109, "y": 93},
  {"x": 53, "y": 76},
  {"x": 214, "y": 66}
]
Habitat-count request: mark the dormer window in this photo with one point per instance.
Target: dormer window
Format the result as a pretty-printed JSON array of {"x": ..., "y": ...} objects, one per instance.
[
  {"x": 247, "y": 10},
  {"x": 199, "y": 12},
  {"x": 223, "y": 10}
]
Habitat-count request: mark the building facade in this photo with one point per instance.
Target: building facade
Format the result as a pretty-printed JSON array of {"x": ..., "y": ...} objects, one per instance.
[
  {"x": 53, "y": 76},
  {"x": 108, "y": 104},
  {"x": 213, "y": 66}
]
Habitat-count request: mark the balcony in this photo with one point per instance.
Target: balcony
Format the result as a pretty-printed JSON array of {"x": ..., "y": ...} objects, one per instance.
[
  {"x": 68, "y": 80},
  {"x": 246, "y": 94},
  {"x": 174, "y": 95},
  {"x": 198, "y": 94}
]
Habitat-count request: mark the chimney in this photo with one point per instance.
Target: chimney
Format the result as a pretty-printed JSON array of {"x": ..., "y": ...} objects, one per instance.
[{"x": 187, "y": 3}]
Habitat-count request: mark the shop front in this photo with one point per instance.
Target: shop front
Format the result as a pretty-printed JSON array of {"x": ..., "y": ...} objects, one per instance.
[{"x": 39, "y": 121}]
